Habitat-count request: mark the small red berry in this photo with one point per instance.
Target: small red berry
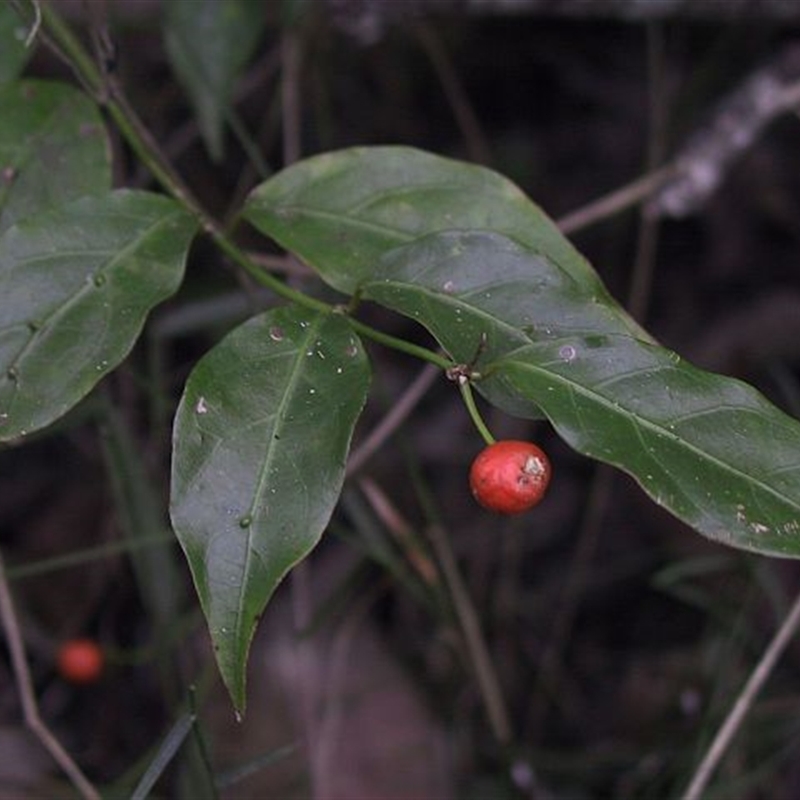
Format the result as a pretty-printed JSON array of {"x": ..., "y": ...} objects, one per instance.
[
  {"x": 510, "y": 477},
  {"x": 80, "y": 661}
]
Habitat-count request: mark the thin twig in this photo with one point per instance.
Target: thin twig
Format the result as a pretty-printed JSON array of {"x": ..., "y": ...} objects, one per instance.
[
  {"x": 618, "y": 200},
  {"x": 649, "y": 225},
  {"x": 453, "y": 88},
  {"x": 337, "y": 699},
  {"x": 291, "y": 59},
  {"x": 744, "y": 703},
  {"x": 485, "y": 673},
  {"x": 30, "y": 708},
  {"x": 401, "y": 530},
  {"x": 37, "y": 24},
  {"x": 739, "y": 119},
  {"x": 392, "y": 421},
  {"x": 568, "y": 604}
]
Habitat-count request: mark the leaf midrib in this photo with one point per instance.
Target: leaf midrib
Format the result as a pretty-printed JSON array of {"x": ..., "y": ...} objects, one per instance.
[
  {"x": 260, "y": 488},
  {"x": 46, "y": 322},
  {"x": 650, "y": 425}
]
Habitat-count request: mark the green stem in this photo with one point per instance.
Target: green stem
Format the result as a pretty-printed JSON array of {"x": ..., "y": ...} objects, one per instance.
[
  {"x": 415, "y": 350},
  {"x": 287, "y": 292},
  {"x": 469, "y": 402},
  {"x": 147, "y": 150},
  {"x": 264, "y": 278}
]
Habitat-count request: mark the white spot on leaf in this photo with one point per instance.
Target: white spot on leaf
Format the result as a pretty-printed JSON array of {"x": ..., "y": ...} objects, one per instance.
[{"x": 567, "y": 353}]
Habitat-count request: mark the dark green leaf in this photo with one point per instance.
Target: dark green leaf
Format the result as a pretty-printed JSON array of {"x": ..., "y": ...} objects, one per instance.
[
  {"x": 342, "y": 212},
  {"x": 53, "y": 148},
  {"x": 209, "y": 43},
  {"x": 76, "y": 284},
  {"x": 13, "y": 52},
  {"x": 710, "y": 449},
  {"x": 464, "y": 253},
  {"x": 260, "y": 443},
  {"x": 482, "y": 294}
]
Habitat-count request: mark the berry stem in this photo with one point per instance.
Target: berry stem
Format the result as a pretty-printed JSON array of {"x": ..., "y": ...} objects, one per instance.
[{"x": 469, "y": 402}]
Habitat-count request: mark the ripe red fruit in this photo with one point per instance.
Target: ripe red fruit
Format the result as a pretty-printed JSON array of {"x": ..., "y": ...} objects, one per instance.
[
  {"x": 509, "y": 477},
  {"x": 80, "y": 661}
]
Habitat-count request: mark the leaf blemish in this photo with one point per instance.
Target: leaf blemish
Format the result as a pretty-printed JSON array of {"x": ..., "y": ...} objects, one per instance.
[
  {"x": 201, "y": 407},
  {"x": 567, "y": 353},
  {"x": 276, "y": 333},
  {"x": 791, "y": 527},
  {"x": 755, "y": 527}
]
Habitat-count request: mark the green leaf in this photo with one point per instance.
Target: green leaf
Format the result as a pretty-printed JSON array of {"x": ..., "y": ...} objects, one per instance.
[
  {"x": 482, "y": 294},
  {"x": 13, "y": 52},
  {"x": 53, "y": 148},
  {"x": 464, "y": 253},
  {"x": 343, "y": 211},
  {"x": 260, "y": 443},
  {"x": 209, "y": 43},
  {"x": 710, "y": 449},
  {"x": 76, "y": 284}
]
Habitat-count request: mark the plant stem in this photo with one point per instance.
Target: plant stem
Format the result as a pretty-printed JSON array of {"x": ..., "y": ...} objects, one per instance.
[
  {"x": 146, "y": 148},
  {"x": 30, "y": 707},
  {"x": 743, "y": 703},
  {"x": 468, "y": 619},
  {"x": 617, "y": 200},
  {"x": 469, "y": 402}
]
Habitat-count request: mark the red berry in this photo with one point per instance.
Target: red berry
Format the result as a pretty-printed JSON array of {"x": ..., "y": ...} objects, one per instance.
[
  {"x": 80, "y": 661},
  {"x": 510, "y": 477}
]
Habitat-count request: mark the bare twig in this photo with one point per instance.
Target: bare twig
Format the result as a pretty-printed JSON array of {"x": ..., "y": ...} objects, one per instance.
[
  {"x": 743, "y": 704},
  {"x": 30, "y": 709},
  {"x": 392, "y": 421},
  {"x": 618, "y": 200},
  {"x": 696, "y": 172},
  {"x": 453, "y": 88},
  {"x": 401, "y": 530},
  {"x": 467, "y": 616},
  {"x": 739, "y": 119},
  {"x": 485, "y": 673},
  {"x": 568, "y": 604},
  {"x": 290, "y": 96},
  {"x": 649, "y": 225},
  {"x": 335, "y": 698}
]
